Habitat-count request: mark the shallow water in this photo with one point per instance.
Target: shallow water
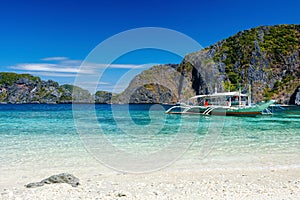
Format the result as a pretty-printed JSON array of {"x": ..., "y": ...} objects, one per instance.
[{"x": 143, "y": 138}]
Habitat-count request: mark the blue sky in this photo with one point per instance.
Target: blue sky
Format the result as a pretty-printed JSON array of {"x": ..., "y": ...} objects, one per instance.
[{"x": 52, "y": 38}]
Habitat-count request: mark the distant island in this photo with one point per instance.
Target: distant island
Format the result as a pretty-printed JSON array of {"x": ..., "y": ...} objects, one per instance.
[{"x": 266, "y": 57}]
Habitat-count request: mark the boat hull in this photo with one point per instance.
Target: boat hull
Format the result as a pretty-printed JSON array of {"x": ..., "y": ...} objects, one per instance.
[
  {"x": 222, "y": 111},
  {"x": 229, "y": 113}
]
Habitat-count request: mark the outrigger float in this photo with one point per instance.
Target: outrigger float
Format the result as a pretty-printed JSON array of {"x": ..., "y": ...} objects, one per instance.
[{"x": 227, "y": 103}]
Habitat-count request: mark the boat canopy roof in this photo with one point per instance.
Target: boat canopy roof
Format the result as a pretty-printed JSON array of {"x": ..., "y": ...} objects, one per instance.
[{"x": 223, "y": 94}]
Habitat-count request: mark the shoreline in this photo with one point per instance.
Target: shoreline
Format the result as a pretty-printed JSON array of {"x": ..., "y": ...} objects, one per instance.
[
  {"x": 179, "y": 184},
  {"x": 185, "y": 179}
]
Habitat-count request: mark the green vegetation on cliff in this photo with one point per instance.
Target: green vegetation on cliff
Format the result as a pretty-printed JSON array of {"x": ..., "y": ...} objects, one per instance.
[
  {"x": 266, "y": 57},
  {"x": 25, "y": 88},
  {"x": 78, "y": 93},
  {"x": 8, "y": 78},
  {"x": 270, "y": 46}
]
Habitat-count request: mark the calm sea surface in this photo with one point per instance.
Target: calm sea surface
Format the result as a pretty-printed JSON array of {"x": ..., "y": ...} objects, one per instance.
[{"x": 35, "y": 134}]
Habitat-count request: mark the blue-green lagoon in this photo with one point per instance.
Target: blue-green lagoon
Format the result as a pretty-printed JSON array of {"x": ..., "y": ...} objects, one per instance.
[{"x": 45, "y": 139}]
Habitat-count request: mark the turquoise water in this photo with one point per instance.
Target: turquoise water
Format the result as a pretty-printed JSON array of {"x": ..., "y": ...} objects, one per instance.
[{"x": 122, "y": 134}]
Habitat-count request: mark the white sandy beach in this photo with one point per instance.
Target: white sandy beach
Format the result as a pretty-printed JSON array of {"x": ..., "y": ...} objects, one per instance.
[{"x": 169, "y": 183}]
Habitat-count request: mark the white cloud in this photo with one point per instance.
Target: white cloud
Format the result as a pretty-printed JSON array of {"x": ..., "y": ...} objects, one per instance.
[
  {"x": 49, "y": 67},
  {"x": 57, "y": 58},
  {"x": 82, "y": 71},
  {"x": 67, "y": 66},
  {"x": 44, "y": 67},
  {"x": 117, "y": 66},
  {"x": 112, "y": 88},
  {"x": 96, "y": 83},
  {"x": 50, "y": 74}
]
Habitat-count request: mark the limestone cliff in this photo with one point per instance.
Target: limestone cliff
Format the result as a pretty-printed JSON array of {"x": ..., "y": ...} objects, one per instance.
[
  {"x": 159, "y": 84},
  {"x": 266, "y": 57},
  {"x": 25, "y": 88}
]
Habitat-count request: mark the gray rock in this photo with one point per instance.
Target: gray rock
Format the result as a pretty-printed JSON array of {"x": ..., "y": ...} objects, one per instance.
[
  {"x": 103, "y": 97},
  {"x": 295, "y": 97},
  {"x": 159, "y": 84},
  {"x": 34, "y": 185},
  {"x": 60, "y": 178},
  {"x": 22, "y": 81},
  {"x": 297, "y": 100}
]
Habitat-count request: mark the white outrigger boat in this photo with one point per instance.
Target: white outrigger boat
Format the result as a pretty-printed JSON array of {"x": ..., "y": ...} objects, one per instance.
[{"x": 226, "y": 103}]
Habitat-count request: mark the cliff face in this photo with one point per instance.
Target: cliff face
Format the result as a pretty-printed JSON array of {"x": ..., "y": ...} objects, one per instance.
[
  {"x": 159, "y": 84},
  {"x": 265, "y": 57},
  {"x": 103, "y": 97},
  {"x": 295, "y": 97},
  {"x": 25, "y": 88}
]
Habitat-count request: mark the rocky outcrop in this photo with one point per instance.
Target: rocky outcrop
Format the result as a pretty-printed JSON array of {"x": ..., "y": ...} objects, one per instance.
[
  {"x": 60, "y": 178},
  {"x": 103, "y": 97},
  {"x": 295, "y": 97},
  {"x": 152, "y": 93},
  {"x": 75, "y": 94},
  {"x": 25, "y": 88},
  {"x": 266, "y": 57},
  {"x": 159, "y": 84}
]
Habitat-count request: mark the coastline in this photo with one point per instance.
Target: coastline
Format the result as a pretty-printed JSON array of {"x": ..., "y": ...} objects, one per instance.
[
  {"x": 208, "y": 178},
  {"x": 181, "y": 184}
]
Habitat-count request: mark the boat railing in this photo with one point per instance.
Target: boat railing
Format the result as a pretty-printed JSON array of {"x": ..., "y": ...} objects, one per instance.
[
  {"x": 181, "y": 107},
  {"x": 220, "y": 103},
  {"x": 186, "y": 109}
]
